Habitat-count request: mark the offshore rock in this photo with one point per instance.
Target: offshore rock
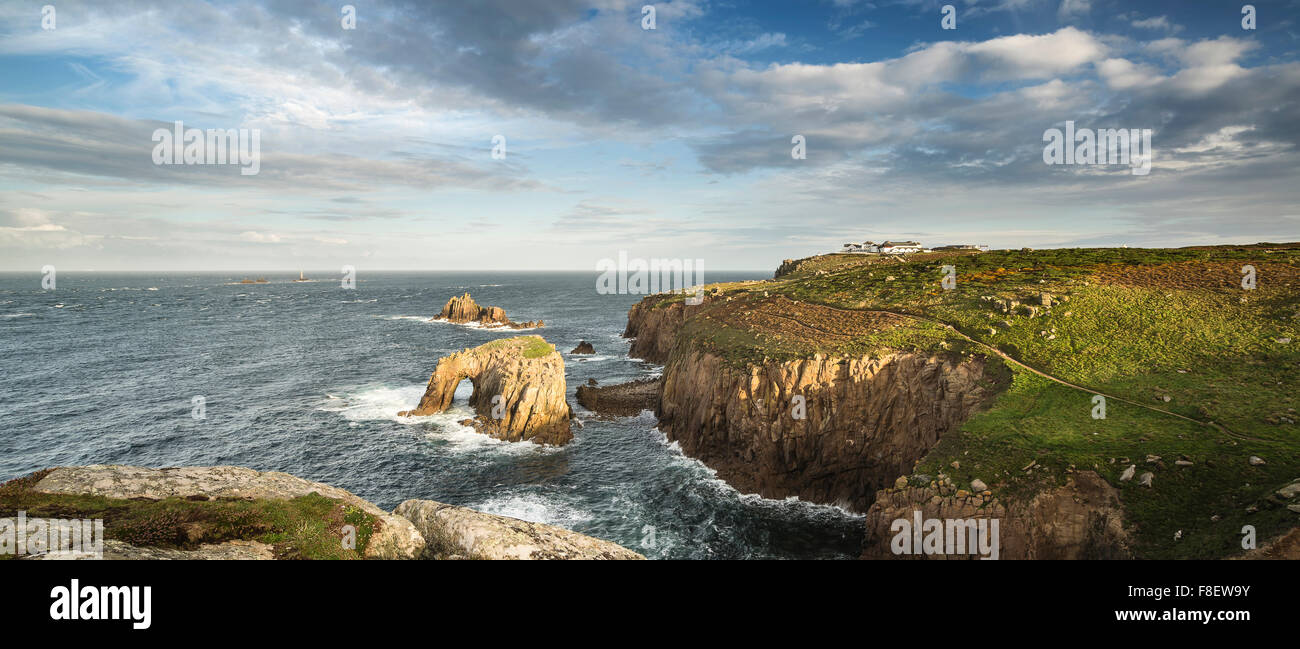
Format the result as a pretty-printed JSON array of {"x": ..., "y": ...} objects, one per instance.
[
  {"x": 623, "y": 400},
  {"x": 518, "y": 394},
  {"x": 462, "y": 309}
]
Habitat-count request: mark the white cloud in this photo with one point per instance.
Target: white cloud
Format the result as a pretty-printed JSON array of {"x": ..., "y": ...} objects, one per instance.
[
  {"x": 259, "y": 237},
  {"x": 1122, "y": 74}
]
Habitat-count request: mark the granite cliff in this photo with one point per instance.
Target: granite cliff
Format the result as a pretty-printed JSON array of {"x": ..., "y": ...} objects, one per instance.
[{"x": 972, "y": 383}]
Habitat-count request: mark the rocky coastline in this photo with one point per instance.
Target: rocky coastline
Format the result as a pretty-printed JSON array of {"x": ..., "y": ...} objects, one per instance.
[{"x": 230, "y": 512}]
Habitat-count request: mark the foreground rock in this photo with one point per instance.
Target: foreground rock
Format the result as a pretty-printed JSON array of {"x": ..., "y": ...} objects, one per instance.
[
  {"x": 526, "y": 373},
  {"x": 459, "y": 532},
  {"x": 393, "y": 538},
  {"x": 623, "y": 400},
  {"x": 463, "y": 309},
  {"x": 119, "y": 551}
]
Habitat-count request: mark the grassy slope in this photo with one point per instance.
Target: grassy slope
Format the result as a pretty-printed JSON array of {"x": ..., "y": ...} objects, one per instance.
[{"x": 1136, "y": 317}]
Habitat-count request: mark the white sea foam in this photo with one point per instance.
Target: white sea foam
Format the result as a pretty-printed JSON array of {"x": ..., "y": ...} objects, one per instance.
[
  {"x": 467, "y": 325},
  {"x": 754, "y": 500},
  {"x": 536, "y": 508},
  {"x": 587, "y": 358},
  {"x": 376, "y": 403},
  {"x": 382, "y": 403}
]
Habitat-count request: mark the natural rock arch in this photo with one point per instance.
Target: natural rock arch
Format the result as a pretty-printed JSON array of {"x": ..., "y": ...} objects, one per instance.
[{"x": 527, "y": 373}]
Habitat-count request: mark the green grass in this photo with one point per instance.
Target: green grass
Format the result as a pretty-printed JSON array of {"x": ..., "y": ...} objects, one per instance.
[
  {"x": 1142, "y": 324},
  {"x": 1036, "y": 420},
  {"x": 529, "y": 346},
  {"x": 307, "y": 527},
  {"x": 741, "y": 347}
]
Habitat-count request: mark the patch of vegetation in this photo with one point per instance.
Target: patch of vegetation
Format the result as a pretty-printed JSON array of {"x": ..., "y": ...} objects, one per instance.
[
  {"x": 1049, "y": 428},
  {"x": 529, "y": 346},
  {"x": 307, "y": 527}
]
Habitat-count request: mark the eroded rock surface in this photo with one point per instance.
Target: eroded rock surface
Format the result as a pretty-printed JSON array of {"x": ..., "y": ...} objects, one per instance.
[
  {"x": 119, "y": 551},
  {"x": 526, "y": 373},
  {"x": 489, "y": 536},
  {"x": 1081, "y": 520},
  {"x": 864, "y": 420},
  {"x": 462, "y": 309},
  {"x": 393, "y": 538}
]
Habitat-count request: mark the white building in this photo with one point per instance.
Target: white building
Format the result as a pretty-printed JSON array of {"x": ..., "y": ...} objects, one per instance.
[
  {"x": 900, "y": 247},
  {"x": 865, "y": 246}
]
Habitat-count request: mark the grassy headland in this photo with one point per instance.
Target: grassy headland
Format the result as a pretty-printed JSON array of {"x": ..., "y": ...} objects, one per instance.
[{"x": 1172, "y": 331}]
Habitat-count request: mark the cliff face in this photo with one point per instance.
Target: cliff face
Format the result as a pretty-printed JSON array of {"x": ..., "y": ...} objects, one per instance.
[
  {"x": 655, "y": 329},
  {"x": 462, "y": 309},
  {"x": 1081, "y": 520},
  {"x": 527, "y": 373},
  {"x": 865, "y": 421}
]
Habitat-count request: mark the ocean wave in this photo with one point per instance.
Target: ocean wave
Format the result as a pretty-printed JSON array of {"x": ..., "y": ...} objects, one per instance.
[
  {"x": 375, "y": 403},
  {"x": 382, "y": 403},
  {"x": 588, "y": 358},
  {"x": 16, "y": 315},
  {"x": 536, "y": 508},
  {"x": 711, "y": 479},
  {"x": 467, "y": 325}
]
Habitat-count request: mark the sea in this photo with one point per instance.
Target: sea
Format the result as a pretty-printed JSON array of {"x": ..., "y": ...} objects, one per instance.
[{"x": 308, "y": 378}]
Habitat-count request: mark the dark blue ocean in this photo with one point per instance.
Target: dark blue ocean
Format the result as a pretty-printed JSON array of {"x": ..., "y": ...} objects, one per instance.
[{"x": 308, "y": 377}]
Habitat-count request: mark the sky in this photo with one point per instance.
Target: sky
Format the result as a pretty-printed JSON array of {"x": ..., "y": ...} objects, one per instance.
[{"x": 377, "y": 142}]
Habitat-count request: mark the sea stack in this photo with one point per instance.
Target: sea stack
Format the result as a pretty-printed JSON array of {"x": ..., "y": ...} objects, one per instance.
[
  {"x": 518, "y": 394},
  {"x": 462, "y": 309},
  {"x": 583, "y": 347}
]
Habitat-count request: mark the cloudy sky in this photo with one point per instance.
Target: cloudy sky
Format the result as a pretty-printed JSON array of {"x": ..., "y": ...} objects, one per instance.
[{"x": 376, "y": 142}]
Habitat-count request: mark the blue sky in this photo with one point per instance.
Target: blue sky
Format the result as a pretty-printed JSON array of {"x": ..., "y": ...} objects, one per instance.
[{"x": 376, "y": 142}]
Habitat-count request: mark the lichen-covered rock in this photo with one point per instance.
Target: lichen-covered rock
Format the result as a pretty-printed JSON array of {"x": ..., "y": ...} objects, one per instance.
[
  {"x": 119, "y": 551},
  {"x": 475, "y": 534},
  {"x": 394, "y": 537},
  {"x": 526, "y": 373}
]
